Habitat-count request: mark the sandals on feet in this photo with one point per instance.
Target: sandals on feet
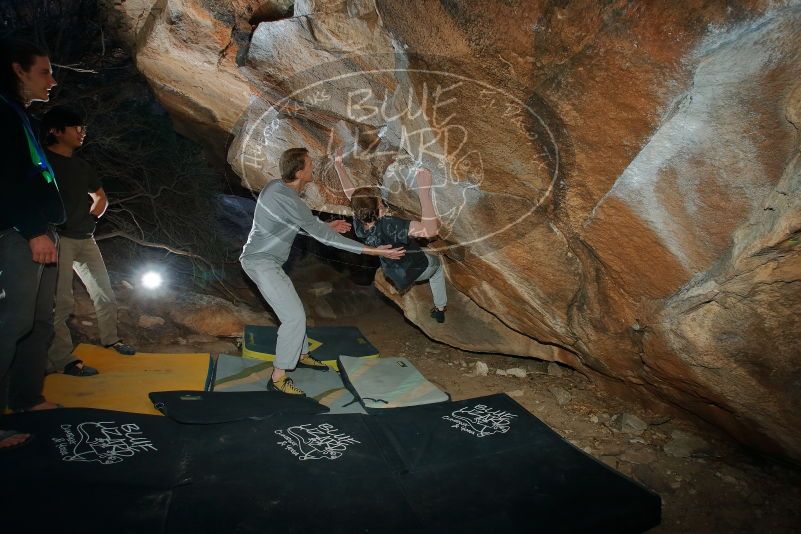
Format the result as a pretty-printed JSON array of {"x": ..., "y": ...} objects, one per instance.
[
  {"x": 8, "y": 434},
  {"x": 122, "y": 348},
  {"x": 78, "y": 368}
]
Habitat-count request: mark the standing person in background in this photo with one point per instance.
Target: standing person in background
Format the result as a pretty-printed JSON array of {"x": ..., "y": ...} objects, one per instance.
[
  {"x": 280, "y": 214},
  {"x": 85, "y": 201},
  {"x": 30, "y": 205}
]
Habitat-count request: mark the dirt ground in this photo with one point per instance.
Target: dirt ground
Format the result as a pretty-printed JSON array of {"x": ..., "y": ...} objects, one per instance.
[{"x": 707, "y": 483}]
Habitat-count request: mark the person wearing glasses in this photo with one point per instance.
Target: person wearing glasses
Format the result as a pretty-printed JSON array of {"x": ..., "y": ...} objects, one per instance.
[{"x": 85, "y": 202}]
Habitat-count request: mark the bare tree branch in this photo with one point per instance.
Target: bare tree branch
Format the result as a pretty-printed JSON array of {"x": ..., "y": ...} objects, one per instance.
[
  {"x": 74, "y": 68},
  {"x": 172, "y": 250},
  {"x": 144, "y": 243},
  {"x": 151, "y": 196}
]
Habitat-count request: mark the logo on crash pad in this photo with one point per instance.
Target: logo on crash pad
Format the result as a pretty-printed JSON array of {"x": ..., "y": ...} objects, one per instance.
[
  {"x": 104, "y": 442},
  {"x": 480, "y": 420},
  {"x": 321, "y": 442}
]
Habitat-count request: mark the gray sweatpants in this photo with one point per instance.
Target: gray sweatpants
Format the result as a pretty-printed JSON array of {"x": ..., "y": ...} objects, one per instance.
[
  {"x": 82, "y": 256},
  {"x": 26, "y": 322},
  {"x": 277, "y": 289},
  {"x": 435, "y": 274}
]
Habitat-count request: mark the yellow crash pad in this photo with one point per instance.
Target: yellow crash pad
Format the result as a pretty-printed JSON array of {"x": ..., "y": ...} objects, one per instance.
[{"x": 125, "y": 381}]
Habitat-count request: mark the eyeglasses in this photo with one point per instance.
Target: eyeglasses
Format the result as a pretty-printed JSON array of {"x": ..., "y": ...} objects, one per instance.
[{"x": 80, "y": 129}]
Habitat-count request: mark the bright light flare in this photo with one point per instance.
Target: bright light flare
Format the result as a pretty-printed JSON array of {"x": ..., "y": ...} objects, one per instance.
[{"x": 151, "y": 280}]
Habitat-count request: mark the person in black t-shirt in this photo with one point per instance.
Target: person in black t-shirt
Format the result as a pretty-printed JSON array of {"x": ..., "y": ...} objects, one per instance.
[
  {"x": 85, "y": 201},
  {"x": 375, "y": 228}
]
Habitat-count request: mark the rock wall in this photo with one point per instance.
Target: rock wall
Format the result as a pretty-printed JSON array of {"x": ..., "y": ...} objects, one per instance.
[{"x": 619, "y": 182}]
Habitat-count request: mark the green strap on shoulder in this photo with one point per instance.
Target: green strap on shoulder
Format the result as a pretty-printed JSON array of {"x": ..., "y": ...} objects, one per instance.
[
  {"x": 36, "y": 157},
  {"x": 35, "y": 149}
]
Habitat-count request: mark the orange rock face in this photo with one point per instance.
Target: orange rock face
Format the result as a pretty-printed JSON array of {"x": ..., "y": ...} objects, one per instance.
[{"x": 618, "y": 182}]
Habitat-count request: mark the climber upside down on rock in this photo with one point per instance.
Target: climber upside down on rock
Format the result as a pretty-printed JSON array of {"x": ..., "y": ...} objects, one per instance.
[
  {"x": 373, "y": 225},
  {"x": 280, "y": 214}
]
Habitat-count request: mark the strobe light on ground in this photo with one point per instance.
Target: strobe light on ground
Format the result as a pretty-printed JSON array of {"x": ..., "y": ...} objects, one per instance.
[{"x": 151, "y": 280}]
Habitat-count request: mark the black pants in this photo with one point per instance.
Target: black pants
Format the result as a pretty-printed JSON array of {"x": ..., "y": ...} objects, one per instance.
[{"x": 27, "y": 294}]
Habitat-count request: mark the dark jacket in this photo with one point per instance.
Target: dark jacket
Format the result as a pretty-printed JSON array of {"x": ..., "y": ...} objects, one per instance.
[
  {"x": 395, "y": 231},
  {"x": 29, "y": 202}
]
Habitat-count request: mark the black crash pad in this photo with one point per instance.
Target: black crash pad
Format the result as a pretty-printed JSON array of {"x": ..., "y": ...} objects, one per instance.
[
  {"x": 206, "y": 407},
  {"x": 478, "y": 465},
  {"x": 488, "y": 465},
  {"x": 481, "y": 465},
  {"x": 90, "y": 471},
  {"x": 303, "y": 474}
]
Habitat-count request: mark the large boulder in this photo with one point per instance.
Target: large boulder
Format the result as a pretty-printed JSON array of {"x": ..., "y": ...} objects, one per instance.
[
  {"x": 187, "y": 50},
  {"x": 618, "y": 182},
  {"x": 213, "y": 316}
]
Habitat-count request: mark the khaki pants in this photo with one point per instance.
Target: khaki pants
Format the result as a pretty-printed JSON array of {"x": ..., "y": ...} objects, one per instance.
[{"x": 82, "y": 256}]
